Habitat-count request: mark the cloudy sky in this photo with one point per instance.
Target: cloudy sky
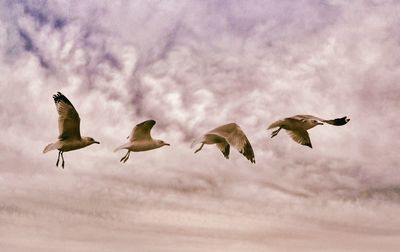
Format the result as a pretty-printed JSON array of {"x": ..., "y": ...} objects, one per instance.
[{"x": 191, "y": 66}]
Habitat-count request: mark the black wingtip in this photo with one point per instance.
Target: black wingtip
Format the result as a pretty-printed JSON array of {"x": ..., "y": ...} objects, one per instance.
[
  {"x": 308, "y": 144},
  {"x": 341, "y": 121},
  {"x": 60, "y": 97}
]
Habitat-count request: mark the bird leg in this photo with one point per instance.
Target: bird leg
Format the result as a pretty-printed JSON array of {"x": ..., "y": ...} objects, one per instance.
[
  {"x": 199, "y": 148},
  {"x": 62, "y": 157},
  {"x": 58, "y": 158},
  {"x": 275, "y": 132},
  {"x": 127, "y": 156},
  {"x": 124, "y": 158}
]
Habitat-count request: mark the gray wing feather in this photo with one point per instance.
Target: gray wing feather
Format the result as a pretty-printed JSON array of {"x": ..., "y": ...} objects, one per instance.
[
  {"x": 234, "y": 135},
  {"x": 142, "y": 131},
  {"x": 337, "y": 121},
  {"x": 306, "y": 117},
  {"x": 68, "y": 118},
  {"x": 224, "y": 147},
  {"x": 301, "y": 136}
]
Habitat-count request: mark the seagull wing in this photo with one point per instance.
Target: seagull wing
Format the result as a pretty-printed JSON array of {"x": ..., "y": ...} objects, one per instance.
[
  {"x": 301, "y": 136},
  {"x": 234, "y": 135},
  {"x": 142, "y": 131},
  {"x": 68, "y": 118},
  {"x": 337, "y": 121},
  {"x": 224, "y": 147}
]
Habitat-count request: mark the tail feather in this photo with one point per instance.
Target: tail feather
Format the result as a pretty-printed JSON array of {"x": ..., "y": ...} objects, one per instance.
[
  {"x": 50, "y": 147},
  {"x": 124, "y": 146},
  {"x": 275, "y": 124}
]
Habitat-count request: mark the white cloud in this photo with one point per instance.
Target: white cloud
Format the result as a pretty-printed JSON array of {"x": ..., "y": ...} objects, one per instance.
[{"x": 193, "y": 66}]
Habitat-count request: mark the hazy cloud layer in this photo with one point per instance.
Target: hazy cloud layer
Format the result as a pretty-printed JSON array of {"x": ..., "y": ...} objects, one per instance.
[{"x": 191, "y": 66}]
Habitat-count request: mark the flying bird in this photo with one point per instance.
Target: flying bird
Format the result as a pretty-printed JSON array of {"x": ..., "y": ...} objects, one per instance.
[
  {"x": 140, "y": 140},
  {"x": 68, "y": 126},
  {"x": 226, "y": 135},
  {"x": 297, "y": 126}
]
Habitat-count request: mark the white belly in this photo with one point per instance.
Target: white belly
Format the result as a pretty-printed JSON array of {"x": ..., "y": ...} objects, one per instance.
[
  {"x": 143, "y": 146},
  {"x": 69, "y": 145}
]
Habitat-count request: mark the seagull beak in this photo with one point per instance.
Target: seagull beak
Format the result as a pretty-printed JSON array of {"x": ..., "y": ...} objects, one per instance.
[
  {"x": 319, "y": 123},
  {"x": 167, "y": 144},
  {"x": 96, "y": 142}
]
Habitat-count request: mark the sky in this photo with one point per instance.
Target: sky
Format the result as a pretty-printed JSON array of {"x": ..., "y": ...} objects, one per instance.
[{"x": 192, "y": 66}]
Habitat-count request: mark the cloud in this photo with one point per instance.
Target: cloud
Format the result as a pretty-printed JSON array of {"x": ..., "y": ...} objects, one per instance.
[{"x": 192, "y": 66}]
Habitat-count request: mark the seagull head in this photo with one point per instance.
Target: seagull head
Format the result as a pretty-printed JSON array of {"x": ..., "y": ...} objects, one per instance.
[
  {"x": 90, "y": 140},
  {"x": 162, "y": 143},
  {"x": 315, "y": 123}
]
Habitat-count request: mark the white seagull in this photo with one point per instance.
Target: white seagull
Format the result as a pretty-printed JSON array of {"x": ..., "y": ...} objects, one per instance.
[
  {"x": 140, "y": 140},
  {"x": 68, "y": 126},
  {"x": 297, "y": 126},
  {"x": 226, "y": 135}
]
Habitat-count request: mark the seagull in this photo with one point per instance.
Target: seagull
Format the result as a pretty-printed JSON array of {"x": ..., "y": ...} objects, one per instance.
[
  {"x": 226, "y": 135},
  {"x": 140, "y": 140},
  {"x": 68, "y": 126},
  {"x": 297, "y": 126}
]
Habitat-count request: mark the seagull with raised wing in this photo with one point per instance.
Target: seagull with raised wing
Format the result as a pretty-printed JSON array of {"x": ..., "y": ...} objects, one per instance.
[
  {"x": 226, "y": 135},
  {"x": 297, "y": 126},
  {"x": 68, "y": 126},
  {"x": 140, "y": 140}
]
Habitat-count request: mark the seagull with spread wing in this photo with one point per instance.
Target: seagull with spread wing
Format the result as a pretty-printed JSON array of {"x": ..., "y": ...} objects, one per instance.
[
  {"x": 140, "y": 140},
  {"x": 226, "y": 135},
  {"x": 68, "y": 126},
  {"x": 297, "y": 126}
]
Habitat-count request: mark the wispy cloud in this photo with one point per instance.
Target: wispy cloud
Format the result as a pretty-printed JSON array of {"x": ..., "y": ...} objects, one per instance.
[{"x": 192, "y": 66}]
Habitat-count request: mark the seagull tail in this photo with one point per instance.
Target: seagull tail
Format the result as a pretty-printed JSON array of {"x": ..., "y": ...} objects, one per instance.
[
  {"x": 50, "y": 147},
  {"x": 124, "y": 146},
  {"x": 275, "y": 124}
]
